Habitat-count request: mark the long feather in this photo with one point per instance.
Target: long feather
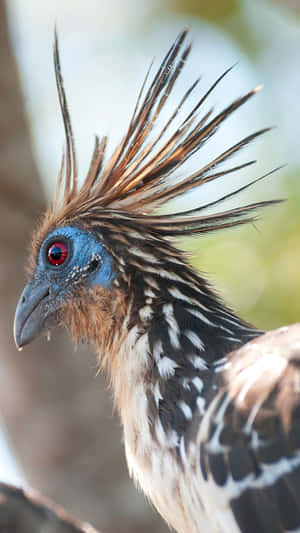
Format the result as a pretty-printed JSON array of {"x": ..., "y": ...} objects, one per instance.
[
  {"x": 137, "y": 178},
  {"x": 70, "y": 156}
]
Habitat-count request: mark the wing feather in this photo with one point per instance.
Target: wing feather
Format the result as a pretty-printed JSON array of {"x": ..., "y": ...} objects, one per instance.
[{"x": 249, "y": 439}]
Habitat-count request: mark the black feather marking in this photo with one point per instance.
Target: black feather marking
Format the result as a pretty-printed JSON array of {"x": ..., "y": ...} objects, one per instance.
[
  {"x": 240, "y": 463},
  {"x": 292, "y": 480},
  {"x": 203, "y": 461},
  {"x": 274, "y": 506},
  {"x": 218, "y": 468},
  {"x": 286, "y": 503},
  {"x": 255, "y": 513},
  {"x": 272, "y": 451}
]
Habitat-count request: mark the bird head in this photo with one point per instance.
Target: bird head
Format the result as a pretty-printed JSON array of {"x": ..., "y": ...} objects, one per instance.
[
  {"x": 102, "y": 249},
  {"x": 71, "y": 265}
]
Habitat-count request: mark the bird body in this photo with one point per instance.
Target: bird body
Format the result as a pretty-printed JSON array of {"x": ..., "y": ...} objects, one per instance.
[{"x": 209, "y": 405}]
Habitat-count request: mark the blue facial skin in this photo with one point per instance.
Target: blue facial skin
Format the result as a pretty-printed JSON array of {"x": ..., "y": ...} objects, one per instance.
[
  {"x": 87, "y": 260},
  {"x": 87, "y": 264}
]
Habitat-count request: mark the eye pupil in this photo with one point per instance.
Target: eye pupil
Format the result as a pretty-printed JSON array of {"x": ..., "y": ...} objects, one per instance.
[{"x": 57, "y": 253}]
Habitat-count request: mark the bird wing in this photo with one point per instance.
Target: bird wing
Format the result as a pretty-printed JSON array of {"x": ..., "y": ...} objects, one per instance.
[{"x": 249, "y": 439}]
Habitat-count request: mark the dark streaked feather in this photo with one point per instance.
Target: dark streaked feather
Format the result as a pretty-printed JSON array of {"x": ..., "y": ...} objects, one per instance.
[{"x": 137, "y": 177}]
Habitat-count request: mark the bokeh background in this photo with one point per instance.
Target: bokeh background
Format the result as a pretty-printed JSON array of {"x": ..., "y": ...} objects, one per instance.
[{"x": 58, "y": 430}]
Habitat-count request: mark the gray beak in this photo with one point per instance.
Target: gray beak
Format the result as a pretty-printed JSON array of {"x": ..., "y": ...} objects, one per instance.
[{"x": 31, "y": 313}]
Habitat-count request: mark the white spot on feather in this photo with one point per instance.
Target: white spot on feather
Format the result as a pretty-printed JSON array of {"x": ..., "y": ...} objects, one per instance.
[
  {"x": 176, "y": 293},
  {"x": 198, "y": 383},
  {"x": 187, "y": 411},
  {"x": 152, "y": 282},
  {"x": 145, "y": 312},
  {"x": 201, "y": 405},
  {"x": 157, "y": 351},
  {"x": 173, "y": 329},
  {"x": 201, "y": 316},
  {"x": 149, "y": 292},
  {"x": 195, "y": 339},
  {"x": 157, "y": 393},
  {"x": 144, "y": 255},
  {"x": 197, "y": 362},
  {"x": 166, "y": 367}
]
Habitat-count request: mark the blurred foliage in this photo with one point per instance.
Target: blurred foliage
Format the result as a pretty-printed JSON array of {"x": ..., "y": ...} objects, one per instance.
[
  {"x": 214, "y": 11},
  {"x": 291, "y": 4},
  {"x": 231, "y": 16},
  {"x": 217, "y": 11},
  {"x": 256, "y": 268}
]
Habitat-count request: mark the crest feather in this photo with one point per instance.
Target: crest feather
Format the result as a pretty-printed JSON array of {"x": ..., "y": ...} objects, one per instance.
[{"x": 136, "y": 179}]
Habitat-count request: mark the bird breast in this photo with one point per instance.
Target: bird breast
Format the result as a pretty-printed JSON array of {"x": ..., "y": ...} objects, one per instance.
[{"x": 152, "y": 454}]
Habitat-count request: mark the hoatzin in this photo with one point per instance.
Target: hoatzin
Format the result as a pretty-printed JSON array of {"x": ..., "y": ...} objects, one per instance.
[{"x": 210, "y": 406}]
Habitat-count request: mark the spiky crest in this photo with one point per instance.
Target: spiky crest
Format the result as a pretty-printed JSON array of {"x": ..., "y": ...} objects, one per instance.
[{"x": 137, "y": 177}]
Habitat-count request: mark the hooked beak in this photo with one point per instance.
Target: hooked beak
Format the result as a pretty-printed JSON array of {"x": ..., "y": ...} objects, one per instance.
[{"x": 32, "y": 311}]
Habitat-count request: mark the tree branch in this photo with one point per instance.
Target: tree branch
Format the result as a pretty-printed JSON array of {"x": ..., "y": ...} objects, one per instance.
[{"x": 23, "y": 511}]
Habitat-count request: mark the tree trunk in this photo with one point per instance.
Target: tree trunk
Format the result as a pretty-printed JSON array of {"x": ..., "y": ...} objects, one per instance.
[{"x": 57, "y": 412}]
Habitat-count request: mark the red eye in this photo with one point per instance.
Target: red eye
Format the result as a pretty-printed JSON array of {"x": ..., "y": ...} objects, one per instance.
[{"x": 57, "y": 253}]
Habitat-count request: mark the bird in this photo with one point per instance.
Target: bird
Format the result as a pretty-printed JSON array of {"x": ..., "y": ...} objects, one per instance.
[{"x": 209, "y": 404}]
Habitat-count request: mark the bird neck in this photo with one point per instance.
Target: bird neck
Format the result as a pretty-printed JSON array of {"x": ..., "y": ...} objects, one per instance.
[{"x": 175, "y": 336}]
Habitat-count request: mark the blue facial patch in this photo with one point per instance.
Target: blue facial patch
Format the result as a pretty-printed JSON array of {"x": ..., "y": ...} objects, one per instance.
[
  {"x": 86, "y": 259},
  {"x": 104, "y": 275}
]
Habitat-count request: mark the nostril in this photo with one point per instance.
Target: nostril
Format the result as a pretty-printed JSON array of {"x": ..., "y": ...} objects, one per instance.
[{"x": 23, "y": 299}]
